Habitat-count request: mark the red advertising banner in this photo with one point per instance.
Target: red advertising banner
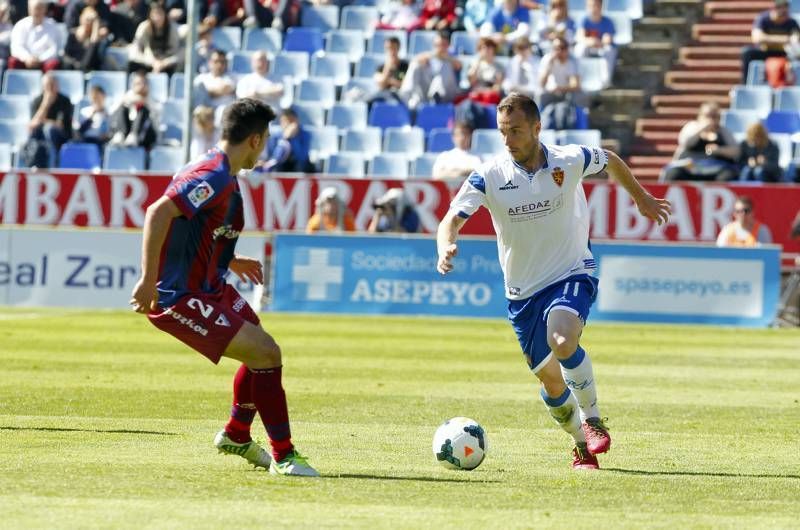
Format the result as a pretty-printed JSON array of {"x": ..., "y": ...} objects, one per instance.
[{"x": 286, "y": 202}]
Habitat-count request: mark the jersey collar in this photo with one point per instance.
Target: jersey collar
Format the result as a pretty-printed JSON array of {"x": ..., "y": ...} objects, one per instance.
[{"x": 544, "y": 165}]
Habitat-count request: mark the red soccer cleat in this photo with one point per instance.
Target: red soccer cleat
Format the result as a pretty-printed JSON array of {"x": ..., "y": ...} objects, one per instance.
[
  {"x": 583, "y": 459},
  {"x": 597, "y": 438}
]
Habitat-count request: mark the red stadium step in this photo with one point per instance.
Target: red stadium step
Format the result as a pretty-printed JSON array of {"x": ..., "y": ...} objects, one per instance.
[
  {"x": 650, "y": 161},
  {"x": 659, "y": 124},
  {"x": 722, "y": 29},
  {"x": 709, "y": 52},
  {"x": 725, "y": 40},
  {"x": 659, "y": 136},
  {"x": 689, "y": 100},
  {"x": 682, "y": 113},
  {"x": 728, "y": 78},
  {"x": 715, "y": 8},
  {"x": 737, "y": 17},
  {"x": 711, "y": 64},
  {"x": 710, "y": 89}
]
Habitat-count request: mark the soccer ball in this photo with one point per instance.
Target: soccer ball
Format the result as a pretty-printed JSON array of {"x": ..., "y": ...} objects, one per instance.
[{"x": 460, "y": 443}]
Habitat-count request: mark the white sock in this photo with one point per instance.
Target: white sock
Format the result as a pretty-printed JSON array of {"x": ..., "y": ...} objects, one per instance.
[
  {"x": 578, "y": 374},
  {"x": 563, "y": 409}
]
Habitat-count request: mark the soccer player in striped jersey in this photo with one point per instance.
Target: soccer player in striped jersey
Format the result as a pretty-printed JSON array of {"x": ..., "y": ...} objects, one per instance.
[
  {"x": 541, "y": 219},
  {"x": 190, "y": 234}
]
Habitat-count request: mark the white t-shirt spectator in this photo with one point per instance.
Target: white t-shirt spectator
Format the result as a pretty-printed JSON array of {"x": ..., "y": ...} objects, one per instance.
[
  {"x": 42, "y": 42},
  {"x": 454, "y": 163},
  {"x": 560, "y": 73},
  {"x": 209, "y": 81},
  {"x": 253, "y": 84}
]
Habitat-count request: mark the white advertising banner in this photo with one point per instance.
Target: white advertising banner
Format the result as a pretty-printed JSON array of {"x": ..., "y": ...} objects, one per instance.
[{"x": 83, "y": 268}]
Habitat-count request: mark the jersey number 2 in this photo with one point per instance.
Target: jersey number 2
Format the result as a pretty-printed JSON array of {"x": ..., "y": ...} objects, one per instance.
[{"x": 204, "y": 309}]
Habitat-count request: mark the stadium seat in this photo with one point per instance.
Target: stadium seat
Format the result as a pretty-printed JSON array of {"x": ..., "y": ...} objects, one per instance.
[
  {"x": 422, "y": 166},
  {"x": 6, "y": 158},
  {"x": 632, "y": 8},
  {"x": 116, "y": 58},
  {"x": 376, "y": 42},
  {"x": 367, "y": 142},
  {"x": 623, "y": 28},
  {"x": 348, "y": 116},
  {"x": 323, "y": 17},
  {"x": 269, "y": 40},
  {"x": 308, "y": 40},
  {"x": 407, "y": 140},
  {"x": 440, "y": 140},
  {"x": 240, "y": 62},
  {"x": 335, "y": 66},
  {"x": 158, "y": 84},
  {"x": 362, "y": 85},
  {"x": 125, "y": 159},
  {"x": 388, "y": 115},
  {"x": 755, "y": 98},
  {"x": 588, "y": 137},
  {"x": 22, "y": 83},
  {"x": 487, "y": 143},
  {"x": 435, "y": 116},
  {"x": 79, "y": 156},
  {"x": 70, "y": 83},
  {"x": 737, "y": 121},
  {"x": 362, "y": 18},
  {"x": 593, "y": 73},
  {"x": 368, "y": 65},
  {"x": 756, "y": 73},
  {"x": 420, "y": 41},
  {"x": 788, "y": 98},
  {"x": 309, "y": 113},
  {"x": 226, "y": 38},
  {"x": 347, "y": 164},
  {"x": 14, "y": 132},
  {"x": 15, "y": 108},
  {"x": 113, "y": 83},
  {"x": 166, "y": 159},
  {"x": 464, "y": 43},
  {"x": 782, "y": 122},
  {"x": 292, "y": 64},
  {"x": 347, "y": 41},
  {"x": 324, "y": 142},
  {"x": 170, "y": 126},
  {"x": 176, "y": 86},
  {"x": 316, "y": 91},
  {"x": 784, "y": 143},
  {"x": 393, "y": 165}
]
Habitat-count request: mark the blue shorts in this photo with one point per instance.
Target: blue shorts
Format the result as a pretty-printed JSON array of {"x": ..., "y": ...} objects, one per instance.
[{"x": 528, "y": 317}]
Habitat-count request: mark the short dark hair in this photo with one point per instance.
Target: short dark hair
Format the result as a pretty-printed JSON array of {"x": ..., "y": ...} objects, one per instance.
[
  {"x": 747, "y": 201},
  {"x": 517, "y": 100},
  {"x": 394, "y": 40},
  {"x": 290, "y": 113},
  {"x": 217, "y": 51},
  {"x": 464, "y": 125},
  {"x": 245, "y": 117}
]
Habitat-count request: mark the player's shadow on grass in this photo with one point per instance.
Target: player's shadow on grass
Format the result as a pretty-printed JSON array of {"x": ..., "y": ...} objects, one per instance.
[
  {"x": 412, "y": 479},
  {"x": 698, "y": 473},
  {"x": 70, "y": 429}
]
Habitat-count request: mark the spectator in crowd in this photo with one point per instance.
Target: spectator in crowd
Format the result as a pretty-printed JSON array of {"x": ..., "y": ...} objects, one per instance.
[
  {"x": 558, "y": 24},
  {"x": 86, "y": 44},
  {"x": 476, "y": 13},
  {"x": 289, "y": 151},
  {"x": 507, "y": 23},
  {"x": 394, "y": 213},
  {"x": 388, "y": 76},
  {"x": 595, "y": 37},
  {"x": 132, "y": 124},
  {"x": 745, "y": 230},
  {"x": 558, "y": 74},
  {"x": 216, "y": 87},
  {"x": 432, "y": 76},
  {"x": 5, "y": 29},
  {"x": 218, "y": 13},
  {"x": 522, "y": 73},
  {"x": 437, "y": 15},
  {"x": 35, "y": 40},
  {"x": 706, "y": 149},
  {"x": 772, "y": 31},
  {"x": 75, "y": 8},
  {"x": 204, "y": 133},
  {"x": 156, "y": 46},
  {"x": 457, "y": 162},
  {"x": 176, "y": 11},
  {"x": 94, "y": 124},
  {"x": 758, "y": 156},
  {"x": 127, "y": 16},
  {"x": 51, "y": 124},
  {"x": 331, "y": 215},
  {"x": 257, "y": 85},
  {"x": 399, "y": 14},
  {"x": 485, "y": 74}
]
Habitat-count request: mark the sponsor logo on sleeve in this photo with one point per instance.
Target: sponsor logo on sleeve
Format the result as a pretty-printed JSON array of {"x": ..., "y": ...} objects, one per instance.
[{"x": 200, "y": 194}]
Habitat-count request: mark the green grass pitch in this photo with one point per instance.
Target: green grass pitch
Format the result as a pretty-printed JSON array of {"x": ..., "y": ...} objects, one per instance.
[{"x": 105, "y": 422}]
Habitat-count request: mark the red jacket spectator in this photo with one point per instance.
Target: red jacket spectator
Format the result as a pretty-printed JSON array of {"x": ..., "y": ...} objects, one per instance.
[{"x": 436, "y": 15}]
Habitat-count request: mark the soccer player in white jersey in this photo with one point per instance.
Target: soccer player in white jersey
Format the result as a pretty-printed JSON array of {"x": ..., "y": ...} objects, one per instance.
[{"x": 541, "y": 218}]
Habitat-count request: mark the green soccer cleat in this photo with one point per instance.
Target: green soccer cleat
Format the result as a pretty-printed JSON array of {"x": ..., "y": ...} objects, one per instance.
[
  {"x": 293, "y": 464},
  {"x": 250, "y": 451}
]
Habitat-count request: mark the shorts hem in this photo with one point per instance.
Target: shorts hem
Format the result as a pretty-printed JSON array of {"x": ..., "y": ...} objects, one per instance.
[{"x": 541, "y": 364}]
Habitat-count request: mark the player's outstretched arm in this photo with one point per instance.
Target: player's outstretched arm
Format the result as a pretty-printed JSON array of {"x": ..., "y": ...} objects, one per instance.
[
  {"x": 446, "y": 237},
  {"x": 657, "y": 210},
  {"x": 156, "y": 225}
]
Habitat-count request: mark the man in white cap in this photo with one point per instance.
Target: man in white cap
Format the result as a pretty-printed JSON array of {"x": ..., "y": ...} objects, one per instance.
[
  {"x": 331, "y": 215},
  {"x": 394, "y": 213}
]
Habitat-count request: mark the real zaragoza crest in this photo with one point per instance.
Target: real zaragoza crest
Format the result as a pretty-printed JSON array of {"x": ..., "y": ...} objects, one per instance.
[{"x": 558, "y": 176}]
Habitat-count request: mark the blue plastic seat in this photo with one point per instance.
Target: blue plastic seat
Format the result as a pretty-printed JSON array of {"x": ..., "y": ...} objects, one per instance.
[
  {"x": 420, "y": 41},
  {"x": 632, "y": 8},
  {"x": 352, "y": 116},
  {"x": 784, "y": 143},
  {"x": 435, "y": 116},
  {"x": 737, "y": 121},
  {"x": 439, "y": 140},
  {"x": 347, "y": 41},
  {"x": 363, "y": 18},
  {"x": 324, "y": 142},
  {"x": 334, "y": 66},
  {"x": 549, "y": 136},
  {"x": 158, "y": 84},
  {"x": 788, "y": 98},
  {"x": 15, "y": 108},
  {"x": 176, "y": 86},
  {"x": 348, "y": 164},
  {"x": 14, "y": 132},
  {"x": 309, "y": 113},
  {"x": 388, "y": 115},
  {"x": 269, "y": 40},
  {"x": 226, "y": 38},
  {"x": 166, "y": 159},
  {"x": 487, "y": 143},
  {"x": 379, "y": 37},
  {"x": 291, "y": 64},
  {"x": 308, "y": 40},
  {"x": 316, "y": 92},
  {"x": 362, "y": 84},
  {"x": 170, "y": 125},
  {"x": 240, "y": 62},
  {"x": 114, "y": 84},
  {"x": 125, "y": 159},
  {"x": 623, "y": 28},
  {"x": 79, "y": 156},
  {"x": 407, "y": 140},
  {"x": 756, "y": 73},
  {"x": 393, "y": 165},
  {"x": 755, "y": 98},
  {"x": 23, "y": 83},
  {"x": 366, "y": 141},
  {"x": 782, "y": 122},
  {"x": 70, "y": 83},
  {"x": 368, "y": 65},
  {"x": 464, "y": 43},
  {"x": 422, "y": 166},
  {"x": 322, "y": 17},
  {"x": 593, "y": 72}
]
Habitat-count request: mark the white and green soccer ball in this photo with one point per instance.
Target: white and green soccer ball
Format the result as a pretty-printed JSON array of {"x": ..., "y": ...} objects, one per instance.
[{"x": 460, "y": 443}]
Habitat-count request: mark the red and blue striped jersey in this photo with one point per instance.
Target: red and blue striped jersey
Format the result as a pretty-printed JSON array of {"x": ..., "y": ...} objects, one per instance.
[{"x": 200, "y": 243}]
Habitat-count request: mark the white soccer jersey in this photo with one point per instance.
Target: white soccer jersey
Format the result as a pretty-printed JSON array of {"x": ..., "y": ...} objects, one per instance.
[{"x": 541, "y": 219}]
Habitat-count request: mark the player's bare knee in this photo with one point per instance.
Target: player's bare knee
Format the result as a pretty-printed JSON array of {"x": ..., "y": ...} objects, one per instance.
[
  {"x": 562, "y": 344},
  {"x": 269, "y": 352}
]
